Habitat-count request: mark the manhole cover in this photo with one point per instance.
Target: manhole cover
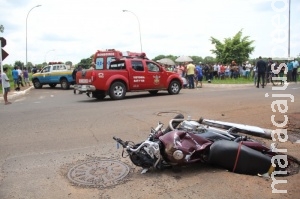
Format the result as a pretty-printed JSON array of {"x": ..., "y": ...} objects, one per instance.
[{"x": 98, "y": 173}]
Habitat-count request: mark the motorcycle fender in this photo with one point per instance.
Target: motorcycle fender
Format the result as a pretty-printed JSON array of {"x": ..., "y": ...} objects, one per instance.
[{"x": 238, "y": 158}]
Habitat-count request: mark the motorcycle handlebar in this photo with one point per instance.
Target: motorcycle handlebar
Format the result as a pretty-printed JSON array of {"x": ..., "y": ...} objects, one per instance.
[{"x": 124, "y": 144}]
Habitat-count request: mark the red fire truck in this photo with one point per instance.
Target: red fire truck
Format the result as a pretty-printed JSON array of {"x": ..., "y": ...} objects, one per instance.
[{"x": 116, "y": 73}]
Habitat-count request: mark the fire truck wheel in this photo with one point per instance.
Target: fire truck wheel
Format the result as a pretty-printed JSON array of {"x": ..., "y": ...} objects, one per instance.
[
  {"x": 37, "y": 84},
  {"x": 174, "y": 87},
  {"x": 117, "y": 91}
]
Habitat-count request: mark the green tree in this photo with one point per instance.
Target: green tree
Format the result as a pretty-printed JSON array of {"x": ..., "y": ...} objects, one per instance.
[
  {"x": 172, "y": 57},
  {"x": 197, "y": 59},
  {"x": 237, "y": 48},
  {"x": 19, "y": 64},
  {"x": 86, "y": 63},
  {"x": 29, "y": 66},
  {"x": 209, "y": 60},
  {"x": 69, "y": 63}
]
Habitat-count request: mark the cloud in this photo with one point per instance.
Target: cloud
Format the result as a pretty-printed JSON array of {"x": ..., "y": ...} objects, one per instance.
[{"x": 76, "y": 29}]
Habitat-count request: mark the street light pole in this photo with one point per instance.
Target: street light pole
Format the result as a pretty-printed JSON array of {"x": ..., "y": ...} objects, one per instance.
[
  {"x": 139, "y": 27},
  {"x": 47, "y": 54},
  {"x": 289, "y": 40},
  {"x": 26, "y": 29}
]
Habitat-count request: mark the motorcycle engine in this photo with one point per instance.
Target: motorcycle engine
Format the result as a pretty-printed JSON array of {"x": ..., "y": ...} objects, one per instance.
[{"x": 189, "y": 125}]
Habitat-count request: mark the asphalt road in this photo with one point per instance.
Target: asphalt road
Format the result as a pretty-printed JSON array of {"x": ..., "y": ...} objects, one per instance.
[{"x": 45, "y": 131}]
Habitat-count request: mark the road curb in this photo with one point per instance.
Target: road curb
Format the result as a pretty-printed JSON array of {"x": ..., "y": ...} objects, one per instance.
[{"x": 226, "y": 85}]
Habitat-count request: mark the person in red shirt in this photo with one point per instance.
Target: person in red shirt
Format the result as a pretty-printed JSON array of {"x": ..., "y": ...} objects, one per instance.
[{"x": 222, "y": 71}]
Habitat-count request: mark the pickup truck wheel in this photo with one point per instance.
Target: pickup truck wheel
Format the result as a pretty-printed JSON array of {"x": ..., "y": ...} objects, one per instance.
[
  {"x": 64, "y": 84},
  {"x": 174, "y": 87},
  {"x": 52, "y": 85},
  {"x": 153, "y": 92},
  {"x": 117, "y": 91},
  {"x": 37, "y": 84}
]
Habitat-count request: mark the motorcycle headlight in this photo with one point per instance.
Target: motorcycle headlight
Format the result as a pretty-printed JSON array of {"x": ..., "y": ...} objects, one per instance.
[{"x": 178, "y": 155}]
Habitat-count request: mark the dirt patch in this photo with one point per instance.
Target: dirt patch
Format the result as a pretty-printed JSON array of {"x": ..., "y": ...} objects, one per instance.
[{"x": 293, "y": 127}]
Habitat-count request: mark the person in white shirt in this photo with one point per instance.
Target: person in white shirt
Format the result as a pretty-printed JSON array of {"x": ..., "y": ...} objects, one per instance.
[
  {"x": 6, "y": 85},
  {"x": 248, "y": 68},
  {"x": 20, "y": 73}
]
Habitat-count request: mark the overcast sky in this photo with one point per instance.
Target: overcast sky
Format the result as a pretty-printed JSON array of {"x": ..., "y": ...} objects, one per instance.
[{"x": 71, "y": 30}]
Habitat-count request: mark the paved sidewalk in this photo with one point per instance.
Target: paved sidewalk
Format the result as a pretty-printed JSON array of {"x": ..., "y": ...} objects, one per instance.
[{"x": 13, "y": 94}]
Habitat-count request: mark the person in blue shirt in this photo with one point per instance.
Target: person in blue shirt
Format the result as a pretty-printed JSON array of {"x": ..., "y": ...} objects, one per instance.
[
  {"x": 15, "y": 76},
  {"x": 295, "y": 68},
  {"x": 290, "y": 71},
  {"x": 198, "y": 76}
]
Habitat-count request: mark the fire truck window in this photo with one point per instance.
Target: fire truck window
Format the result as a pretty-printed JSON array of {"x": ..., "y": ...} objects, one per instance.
[
  {"x": 117, "y": 65},
  {"x": 137, "y": 65},
  {"x": 100, "y": 63},
  {"x": 152, "y": 67},
  {"x": 110, "y": 59}
]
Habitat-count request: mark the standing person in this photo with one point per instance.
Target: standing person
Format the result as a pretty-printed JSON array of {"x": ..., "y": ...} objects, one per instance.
[
  {"x": 26, "y": 77},
  {"x": 79, "y": 68},
  {"x": 190, "y": 68},
  {"x": 290, "y": 71},
  {"x": 222, "y": 71},
  {"x": 20, "y": 73},
  {"x": 281, "y": 74},
  {"x": 206, "y": 72},
  {"x": 34, "y": 70},
  {"x": 15, "y": 76},
  {"x": 248, "y": 69},
  {"x": 6, "y": 86},
  {"x": 199, "y": 76},
  {"x": 180, "y": 70},
  {"x": 261, "y": 67},
  {"x": 93, "y": 66},
  {"x": 295, "y": 68},
  {"x": 234, "y": 69}
]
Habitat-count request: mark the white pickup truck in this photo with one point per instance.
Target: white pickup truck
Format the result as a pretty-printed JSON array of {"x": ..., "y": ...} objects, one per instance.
[{"x": 53, "y": 74}]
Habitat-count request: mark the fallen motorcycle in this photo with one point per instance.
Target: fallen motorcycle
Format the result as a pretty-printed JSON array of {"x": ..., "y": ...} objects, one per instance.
[{"x": 217, "y": 143}]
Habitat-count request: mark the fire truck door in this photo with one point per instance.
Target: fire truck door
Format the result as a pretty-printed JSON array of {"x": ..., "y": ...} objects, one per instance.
[
  {"x": 154, "y": 76},
  {"x": 137, "y": 76}
]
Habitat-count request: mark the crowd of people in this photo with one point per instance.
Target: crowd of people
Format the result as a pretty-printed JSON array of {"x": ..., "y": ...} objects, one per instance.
[
  {"x": 193, "y": 74},
  {"x": 20, "y": 77},
  {"x": 281, "y": 71}
]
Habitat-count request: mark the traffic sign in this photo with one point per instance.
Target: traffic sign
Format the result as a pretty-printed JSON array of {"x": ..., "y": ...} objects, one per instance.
[
  {"x": 3, "y": 42},
  {"x": 4, "y": 54}
]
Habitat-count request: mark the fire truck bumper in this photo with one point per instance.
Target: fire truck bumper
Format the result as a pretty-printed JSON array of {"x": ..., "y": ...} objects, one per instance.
[{"x": 84, "y": 88}]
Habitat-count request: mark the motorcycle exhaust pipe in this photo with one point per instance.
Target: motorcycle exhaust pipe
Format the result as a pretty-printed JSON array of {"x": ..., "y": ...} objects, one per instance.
[{"x": 242, "y": 128}]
